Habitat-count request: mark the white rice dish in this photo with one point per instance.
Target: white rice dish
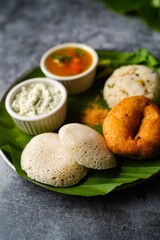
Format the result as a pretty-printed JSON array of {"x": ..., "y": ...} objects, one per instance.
[{"x": 132, "y": 80}]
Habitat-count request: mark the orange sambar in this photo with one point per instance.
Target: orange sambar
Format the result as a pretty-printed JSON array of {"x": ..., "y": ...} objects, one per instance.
[{"x": 68, "y": 61}]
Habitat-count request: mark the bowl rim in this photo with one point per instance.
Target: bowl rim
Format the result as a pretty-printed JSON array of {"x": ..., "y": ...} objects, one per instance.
[
  {"x": 47, "y": 81},
  {"x": 72, "y": 77}
]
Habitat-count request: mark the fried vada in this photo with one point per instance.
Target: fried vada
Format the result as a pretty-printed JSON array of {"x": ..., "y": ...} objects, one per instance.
[{"x": 132, "y": 128}]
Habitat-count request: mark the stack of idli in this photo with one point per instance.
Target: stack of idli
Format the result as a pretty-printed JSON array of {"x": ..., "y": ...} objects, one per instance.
[
  {"x": 64, "y": 159},
  {"x": 132, "y": 80}
]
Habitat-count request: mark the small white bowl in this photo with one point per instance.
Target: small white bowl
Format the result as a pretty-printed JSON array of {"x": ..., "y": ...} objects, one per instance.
[
  {"x": 40, "y": 123},
  {"x": 76, "y": 83}
]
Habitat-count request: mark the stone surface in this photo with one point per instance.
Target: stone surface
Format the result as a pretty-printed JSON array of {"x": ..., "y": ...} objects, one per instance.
[{"x": 27, "y": 29}]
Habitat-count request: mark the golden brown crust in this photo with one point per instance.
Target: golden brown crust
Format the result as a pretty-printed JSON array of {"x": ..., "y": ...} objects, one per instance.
[{"x": 132, "y": 128}]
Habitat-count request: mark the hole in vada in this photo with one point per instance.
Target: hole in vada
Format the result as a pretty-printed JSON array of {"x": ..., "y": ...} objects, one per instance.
[{"x": 137, "y": 129}]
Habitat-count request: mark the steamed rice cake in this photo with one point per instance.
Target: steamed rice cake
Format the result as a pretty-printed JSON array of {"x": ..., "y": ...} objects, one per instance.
[
  {"x": 46, "y": 160},
  {"x": 87, "y": 146},
  {"x": 132, "y": 80}
]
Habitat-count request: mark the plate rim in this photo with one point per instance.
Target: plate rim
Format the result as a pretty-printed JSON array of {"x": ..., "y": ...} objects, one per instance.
[{"x": 7, "y": 160}]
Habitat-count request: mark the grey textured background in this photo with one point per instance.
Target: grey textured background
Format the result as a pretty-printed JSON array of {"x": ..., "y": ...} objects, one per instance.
[{"x": 27, "y": 29}]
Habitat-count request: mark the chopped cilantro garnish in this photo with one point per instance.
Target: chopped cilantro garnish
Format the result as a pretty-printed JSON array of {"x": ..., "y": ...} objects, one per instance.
[
  {"x": 61, "y": 58},
  {"x": 66, "y": 58},
  {"x": 57, "y": 56},
  {"x": 79, "y": 52}
]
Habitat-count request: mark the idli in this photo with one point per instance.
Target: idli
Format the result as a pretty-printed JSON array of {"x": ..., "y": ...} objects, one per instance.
[
  {"x": 132, "y": 80},
  {"x": 87, "y": 146},
  {"x": 46, "y": 160}
]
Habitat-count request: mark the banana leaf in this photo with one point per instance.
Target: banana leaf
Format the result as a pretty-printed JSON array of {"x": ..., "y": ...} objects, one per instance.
[
  {"x": 97, "y": 182},
  {"x": 124, "y": 6},
  {"x": 148, "y": 10}
]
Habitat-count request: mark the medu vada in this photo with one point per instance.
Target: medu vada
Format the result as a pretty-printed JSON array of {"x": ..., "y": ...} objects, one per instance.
[{"x": 132, "y": 128}]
